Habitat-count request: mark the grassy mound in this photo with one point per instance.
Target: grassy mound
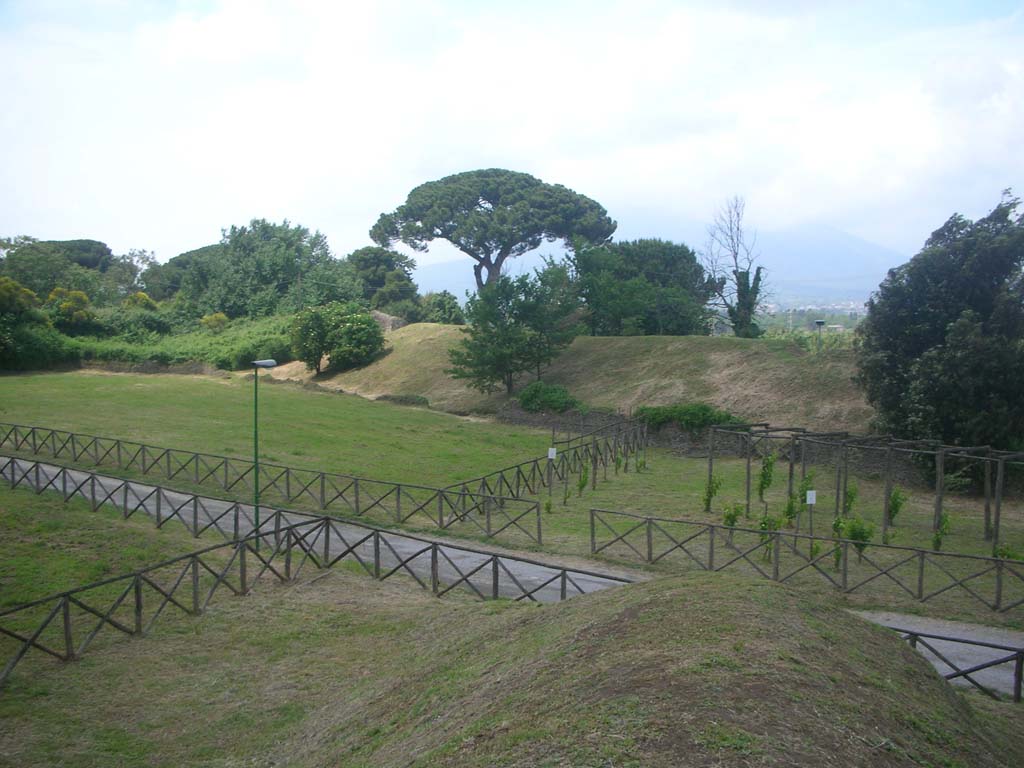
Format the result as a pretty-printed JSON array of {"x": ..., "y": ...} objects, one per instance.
[
  {"x": 761, "y": 379},
  {"x": 703, "y": 670}
]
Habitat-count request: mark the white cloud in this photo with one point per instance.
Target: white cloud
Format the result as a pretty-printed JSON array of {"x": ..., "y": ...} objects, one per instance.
[{"x": 157, "y": 132}]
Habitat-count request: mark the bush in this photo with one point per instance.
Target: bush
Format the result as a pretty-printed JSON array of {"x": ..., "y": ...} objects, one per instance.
[
  {"x": 32, "y": 346},
  {"x": 215, "y": 322},
  {"x": 354, "y": 341},
  {"x": 690, "y": 417},
  {"x": 539, "y": 396}
]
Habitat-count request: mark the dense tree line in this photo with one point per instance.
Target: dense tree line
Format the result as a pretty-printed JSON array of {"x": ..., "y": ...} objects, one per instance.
[{"x": 941, "y": 351}]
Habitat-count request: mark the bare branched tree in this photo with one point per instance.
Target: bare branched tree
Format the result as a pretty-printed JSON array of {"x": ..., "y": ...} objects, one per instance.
[{"x": 729, "y": 259}]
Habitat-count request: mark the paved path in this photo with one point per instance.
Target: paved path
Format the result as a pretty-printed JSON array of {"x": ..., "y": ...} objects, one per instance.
[
  {"x": 964, "y": 656},
  {"x": 515, "y": 575}
]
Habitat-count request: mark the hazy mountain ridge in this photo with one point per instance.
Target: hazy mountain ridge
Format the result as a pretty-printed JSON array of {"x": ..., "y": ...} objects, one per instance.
[{"x": 812, "y": 264}]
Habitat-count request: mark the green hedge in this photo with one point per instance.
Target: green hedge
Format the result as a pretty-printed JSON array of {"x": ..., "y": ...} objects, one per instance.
[
  {"x": 690, "y": 417},
  {"x": 539, "y": 396}
]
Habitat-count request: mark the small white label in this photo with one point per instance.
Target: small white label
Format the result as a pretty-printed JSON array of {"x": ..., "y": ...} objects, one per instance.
[
  {"x": 812, "y": 497},
  {"x": 552, "y": 453}
]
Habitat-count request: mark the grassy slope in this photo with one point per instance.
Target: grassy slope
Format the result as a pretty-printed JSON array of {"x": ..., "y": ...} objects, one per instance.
[
  {"x": 49, "y": 547},
  {"x": 757, "y": 379},
  {"x": 348, "y": 672},
  {"x": 319, "y": 430}
]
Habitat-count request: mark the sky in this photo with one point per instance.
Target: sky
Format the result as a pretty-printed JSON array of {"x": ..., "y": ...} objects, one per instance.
[{"x": 155, "y": 125}]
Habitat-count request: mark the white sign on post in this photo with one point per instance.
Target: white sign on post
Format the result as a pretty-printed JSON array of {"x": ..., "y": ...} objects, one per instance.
[
  {"x": 812, "y": 497},
  {"x": 552, "y": 453}
]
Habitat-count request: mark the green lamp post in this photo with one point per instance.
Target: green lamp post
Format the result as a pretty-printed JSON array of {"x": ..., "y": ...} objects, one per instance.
[{"x": 256, "y": 365}]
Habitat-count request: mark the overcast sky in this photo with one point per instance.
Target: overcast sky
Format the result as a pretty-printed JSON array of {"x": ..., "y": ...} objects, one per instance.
[{"x": 155, "y": 124}]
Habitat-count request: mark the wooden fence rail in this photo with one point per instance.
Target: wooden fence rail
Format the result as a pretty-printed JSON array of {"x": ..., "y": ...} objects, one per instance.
[
  {"x": 926, "y": 640},
  {"x": 65, "y": 625},
  {"x": 490, "y": 514},
  {"x": 847, "y": 565},
  {"x": 608, "y": 447}
]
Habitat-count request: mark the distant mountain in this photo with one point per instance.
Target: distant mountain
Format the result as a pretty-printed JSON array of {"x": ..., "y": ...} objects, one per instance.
[{"x": 806, "y": 265}]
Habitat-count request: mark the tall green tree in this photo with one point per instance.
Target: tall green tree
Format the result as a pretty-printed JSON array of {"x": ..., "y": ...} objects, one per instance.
[
  {"x": 256, "y": 270},
  {"x": 442, "y": 307},
  {"x": 941, "y": 351},
  {"x": 730, "y": 258},
  {"x": 492, "y": 215}
]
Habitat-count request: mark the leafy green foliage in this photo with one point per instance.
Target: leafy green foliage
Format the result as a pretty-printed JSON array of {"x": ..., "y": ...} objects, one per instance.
[
  {"x": 897, "y": 499},
  {"x": 690, "y": 417},
  {"x": 492, "y": 215},
  {"x": 215, "y": 322},
  {"x": 71, "y": 311},
  {"x": 940, "y": 352},
  {"x": 139, "y": 300},
  {"x": 766, "y": 475},
  {"x": 730, "y": 259},
  {"x": 386, "y": 275},
  {"x": 256, "y": 270},
  {"x": 711, "y": 489},
  {"x": 442, "y": 307},
  {"x": 849, "y": 499},
  {"x": 539, "y": 396},
  {"x": 941, "y": 532},
  {"x": 511, "y": 331},
  {"x": 353, "y": 337},
  {"x": 859, "y": 531},
  {"x": 641, "y": 287},
  {"x": 768, "y": 525},
  {"x": 732, "y": 513},
  {"x": 796, "y": 501},
  {"x": 581, "y": 481}
]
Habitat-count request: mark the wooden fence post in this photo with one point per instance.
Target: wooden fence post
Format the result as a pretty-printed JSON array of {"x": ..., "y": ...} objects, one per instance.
[
  {"x": 920, "y": 575},
  {"x": 138, "y": 604},
  {"x": 997, "y": 512},
  {"x": 242, "y": 574},
  {"x": 593, "y": 534},
  {"x": 650, "y": 540},
  {"x": 940, "y": 486},
  {"x": 376, "y": 555},
  {"x": 433, "y": 569},
  {"x": 69, "y": 640},
  {"x": 846, "y": 564},
  {"x": 750, "y": 453},
  {"x": 195, "y": 586},
  {"x": 988, "y": 499},
  {"x": 494, "y": 577}
]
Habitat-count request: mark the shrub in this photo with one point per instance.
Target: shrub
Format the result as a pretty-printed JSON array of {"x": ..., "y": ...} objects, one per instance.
[
  {"x": 849, "y": 499},
  {"x": 139, "y": 300},
  {"x": 32, "y": 346},
  {"x": 215, "y": 322},
  {"x": 766, "y": 475},
  {"x": 732, "y": 514},
  {"x": 711, "y": 489},
  {"x": 691, "y": 417},
  {"x": 897, "y": 499},
  {"x": 355, "y": 340},
  {"x": 539, "y": 396},
  {"x": 941, "y": 532}
]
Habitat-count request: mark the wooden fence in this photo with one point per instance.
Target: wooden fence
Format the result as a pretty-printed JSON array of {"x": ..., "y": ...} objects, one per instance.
[
  {"x": 849, "y": 566},
  {"x": 489, "y": 514},
  {"x": 926, "y": 641},
  {"x": 65, "y": 625},
  {"x": 608, "y": 447}
]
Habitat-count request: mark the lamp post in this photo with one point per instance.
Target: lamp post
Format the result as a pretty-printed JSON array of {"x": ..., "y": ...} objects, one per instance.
[
  {"x": 256, "y": 365},
  {"x": 820, "y": 324}
]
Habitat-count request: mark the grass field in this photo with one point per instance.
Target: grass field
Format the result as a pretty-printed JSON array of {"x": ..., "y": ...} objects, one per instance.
[
  {"x": 298, "y": 427},
  {"x": 701, "y": 670}
]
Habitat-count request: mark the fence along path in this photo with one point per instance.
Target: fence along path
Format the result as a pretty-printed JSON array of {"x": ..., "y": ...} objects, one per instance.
[
  {"x": 609, "y": 446},
  {"x": 849, "y": 566},
  {"x": 66, "y": 624},
  {"x": 486, "y": 514}
]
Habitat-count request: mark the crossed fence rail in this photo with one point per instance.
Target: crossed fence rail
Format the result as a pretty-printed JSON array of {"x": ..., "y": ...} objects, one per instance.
[
  {"x": 605, "y": 447},
  {"x": 848, "y": 566},
  {"x": 926, "y": 640},
  {"x": 398, "y": 502},
  {"x": 65, "y": 625}
]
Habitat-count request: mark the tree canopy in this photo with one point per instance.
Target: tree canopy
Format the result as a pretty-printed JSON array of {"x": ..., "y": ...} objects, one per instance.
[
  {"x": 642, "y": 287},
  {"x": 492, "y": 215},
  {"x": 730, "y": 258},
  {"x": 941, "y": 352}
]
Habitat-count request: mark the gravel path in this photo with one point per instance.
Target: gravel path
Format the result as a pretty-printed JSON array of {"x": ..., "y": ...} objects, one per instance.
[
  {"x": 514, "y": 575},
  {"x": 964, "y": 656}
]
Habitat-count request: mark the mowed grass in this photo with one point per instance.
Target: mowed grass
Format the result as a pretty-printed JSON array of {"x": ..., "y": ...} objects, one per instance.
[
  {"x": 672, "y": 487},
  {"x": 49, "y": 547},
  {"x": 298, "y": 427},
  {"x": 701, "y": 670}
]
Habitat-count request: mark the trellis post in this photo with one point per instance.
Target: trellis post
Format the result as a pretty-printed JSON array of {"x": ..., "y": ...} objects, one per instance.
[
  {"x": 940, "y": 486},
  {"x": 997, "y": 512},
  {"x": 988, "y": 499},
  {"x": 750, "y": 453}
]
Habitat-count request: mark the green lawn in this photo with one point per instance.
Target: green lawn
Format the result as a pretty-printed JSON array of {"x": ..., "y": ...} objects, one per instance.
[{"x": 298, "y": 427}]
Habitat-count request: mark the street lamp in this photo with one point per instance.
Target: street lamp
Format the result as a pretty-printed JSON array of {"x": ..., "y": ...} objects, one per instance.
[
  {"x": 256, "y": 365},
  {"x": 820, "y": 324}
]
